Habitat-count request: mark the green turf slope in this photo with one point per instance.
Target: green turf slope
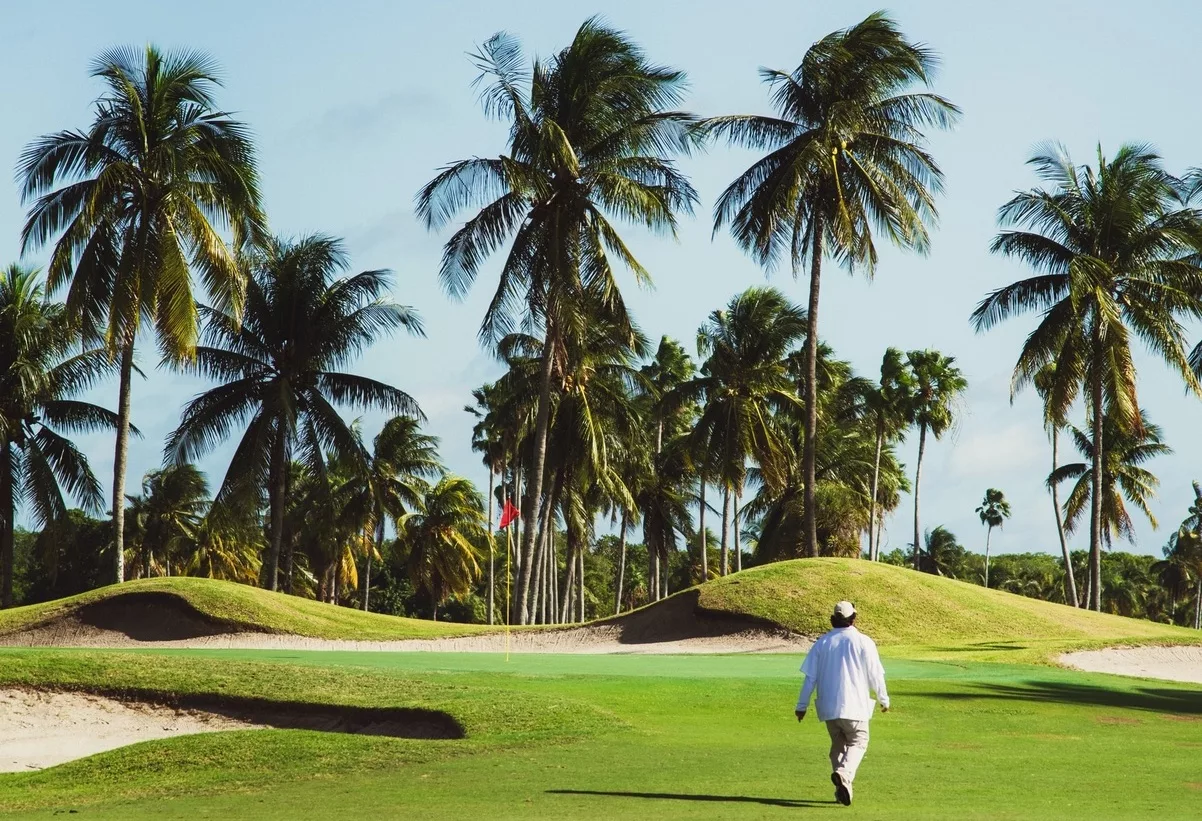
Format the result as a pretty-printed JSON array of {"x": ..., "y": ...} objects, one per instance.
[
  {"x": 233, "y": 608},
  {"x": 900, "y": 607}
]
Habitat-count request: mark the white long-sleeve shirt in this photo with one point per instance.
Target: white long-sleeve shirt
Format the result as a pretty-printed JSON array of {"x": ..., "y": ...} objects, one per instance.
[{"x": 843, "y": 665}]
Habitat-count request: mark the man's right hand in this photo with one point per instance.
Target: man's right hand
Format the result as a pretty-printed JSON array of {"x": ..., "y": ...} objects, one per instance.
[{"x": 884, "y": 709}]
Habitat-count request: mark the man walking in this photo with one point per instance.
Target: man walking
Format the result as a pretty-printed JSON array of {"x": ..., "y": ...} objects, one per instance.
[{"x": 844, "y": 665}]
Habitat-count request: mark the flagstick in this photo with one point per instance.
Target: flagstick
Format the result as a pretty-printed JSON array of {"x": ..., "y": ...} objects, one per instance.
[{"x": 508, "y": 581}]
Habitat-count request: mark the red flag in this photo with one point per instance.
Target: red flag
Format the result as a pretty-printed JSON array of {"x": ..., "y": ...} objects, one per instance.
[{"x": 509, "y": 515}]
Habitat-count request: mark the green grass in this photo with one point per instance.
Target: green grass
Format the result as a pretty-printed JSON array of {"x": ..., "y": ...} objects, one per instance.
[
  {"x": 621, "y": 737},
  {"x": 241, "y": 607},
  {"x": 908, "y": 613},
  {"x": 924, "y": 614}
]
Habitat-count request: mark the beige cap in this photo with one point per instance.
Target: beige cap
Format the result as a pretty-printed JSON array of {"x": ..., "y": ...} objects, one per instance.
[{"x": 845, "y": 610}]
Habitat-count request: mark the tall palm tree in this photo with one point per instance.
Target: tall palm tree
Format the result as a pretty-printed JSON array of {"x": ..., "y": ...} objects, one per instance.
[
  {"x": 889, "y": 403},
  {"x": 139, "y": 200},
  {"x": 1115, "y": 251},
  {"x": 938, "y": 385},
  {"x": 401, "y": 459},
  {"x": 666, "y": 421},
  {"x": 1053, "y": 423},
  {"x": 489, "y": 439},
  {"x": 168, "y": 513},
  {"x": 1123, "y": 476},
  {"x": 279, "y": 371},
  {"x": 590, "y": 131},
  {"x": 994, "y": 510},
  {"x": 743, "y": 380},
  {"x": 845, "y": 155},
  {"x": 443, "y": 536},
  {"x": 39, "y": 380}
]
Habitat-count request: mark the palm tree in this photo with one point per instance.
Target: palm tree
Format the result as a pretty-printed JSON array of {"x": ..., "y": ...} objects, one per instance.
[
  {"x": 588, "y": 138},
  {"x": 281, "y": 368},
  {"x": 489, "y": 440},
  {"x": 1115, "y": 253},
  {"x": 938, "y": 385},
  {"x": 1122, "y": 477},
  {"x": 743, "y": 380},
  {"x": 848, "y": 466},
  {"x": 1053, "y": 423},
  {"x": 139, "y": 201},
  {"x": 443, "y": 536},
  {"x": 846, "y": 155},
  {"x": 994, "y": 510},
  {"x": 226, "y": 544},
  {"x": 667, "y": 420},
  {"x": 168, "y": 513},
  {"x": 889, "y": 403},
  {"x": 38, "y": 382},
  {"x": 943, "y": 553},
  {"x": 402, "y": 458},
  {"x": 1181, "y": 568}
]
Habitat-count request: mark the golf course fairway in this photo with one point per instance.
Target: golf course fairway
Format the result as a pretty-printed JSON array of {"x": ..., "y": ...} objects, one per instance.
[
  {"x": 984, "y": 725},
  {"x": 626, "y": 737}
]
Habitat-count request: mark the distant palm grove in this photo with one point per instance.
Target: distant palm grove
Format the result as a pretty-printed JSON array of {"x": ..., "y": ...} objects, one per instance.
[{"x": 624, "y": 467}]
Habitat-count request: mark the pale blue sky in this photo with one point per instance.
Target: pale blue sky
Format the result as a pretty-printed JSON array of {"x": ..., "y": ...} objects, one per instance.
[{"x": 355, "y": 104}]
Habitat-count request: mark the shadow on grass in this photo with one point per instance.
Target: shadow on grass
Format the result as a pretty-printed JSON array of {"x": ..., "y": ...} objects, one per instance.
[
  {"x": 734, "y": 799},
  {"x": 982, "y": 647},
  {"x": 1153, "y": 699}
]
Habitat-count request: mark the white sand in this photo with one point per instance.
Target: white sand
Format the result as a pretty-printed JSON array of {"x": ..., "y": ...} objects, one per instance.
[
  {"x": 41, "y": 729},
  {"x": 600, "y": 639},
  {"x": 1169, "y": 663}
]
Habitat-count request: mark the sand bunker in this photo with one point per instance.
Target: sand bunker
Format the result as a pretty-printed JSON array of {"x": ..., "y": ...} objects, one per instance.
[
  {"x": 677, "y": 625},
  {"x": 40, "y": 729},
  {"x": 1169, "y": 663}
]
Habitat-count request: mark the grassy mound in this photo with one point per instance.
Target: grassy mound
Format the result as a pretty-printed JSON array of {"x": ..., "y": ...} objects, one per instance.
[
  {"x": 178, "y": 607},
  {"x": 899, "y": 606}
]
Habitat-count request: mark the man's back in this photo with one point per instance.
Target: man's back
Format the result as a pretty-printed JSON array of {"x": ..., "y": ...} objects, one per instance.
[{"x": 844, "y": 666}]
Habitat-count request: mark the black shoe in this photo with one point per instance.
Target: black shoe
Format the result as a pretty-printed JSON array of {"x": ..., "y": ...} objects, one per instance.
[{"x": 842, "y": 791}]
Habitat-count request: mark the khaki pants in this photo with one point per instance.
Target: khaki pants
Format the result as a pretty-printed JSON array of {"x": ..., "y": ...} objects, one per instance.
[{"x": 849, "y": 742}]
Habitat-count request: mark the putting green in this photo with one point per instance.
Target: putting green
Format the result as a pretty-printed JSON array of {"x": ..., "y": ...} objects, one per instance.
[{"x": 618, "y": 737}]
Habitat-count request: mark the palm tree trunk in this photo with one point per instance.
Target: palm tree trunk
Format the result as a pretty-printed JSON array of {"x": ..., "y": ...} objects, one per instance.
[
  {"x": 725, "y": 530},
  {"x": 1198, "y": 605},
  {"x": 569, "y": 587},
  {"x": 277, "y": 496},
  {"x": 701, "y": 527},
  {"x": 7, "y": 513},
  {"x": 1095, "y": 502},
  {"x": 553, "y": 581},
  {"x": 536, "y": 568},
  {"x": 873, "y": 547},
  {"x": 492, "y": 548},
  {"x": 569, "y": 580},
  {"x": 621, "y": 563},
  {"x": 548, "y": 606},
  {"x": 922, "y": 446},
  {"x": 541, "y": 423},
  {"x": 652, "y": 568},
  {"x": 379, "y": 546},
  {"x": 988, "y": 534},
  {"x": 809, "y": 451},
  {"x": 737, "y": 546},
  {"x": 1070, "y": 581},
  {"x": 520, "y": 500},
  {"x": 580, "y": 583},
  {"x": 121, "y": 456}
]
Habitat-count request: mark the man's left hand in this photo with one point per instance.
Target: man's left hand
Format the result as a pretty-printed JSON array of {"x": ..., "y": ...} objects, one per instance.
[{"x": 800, "y": 714}]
